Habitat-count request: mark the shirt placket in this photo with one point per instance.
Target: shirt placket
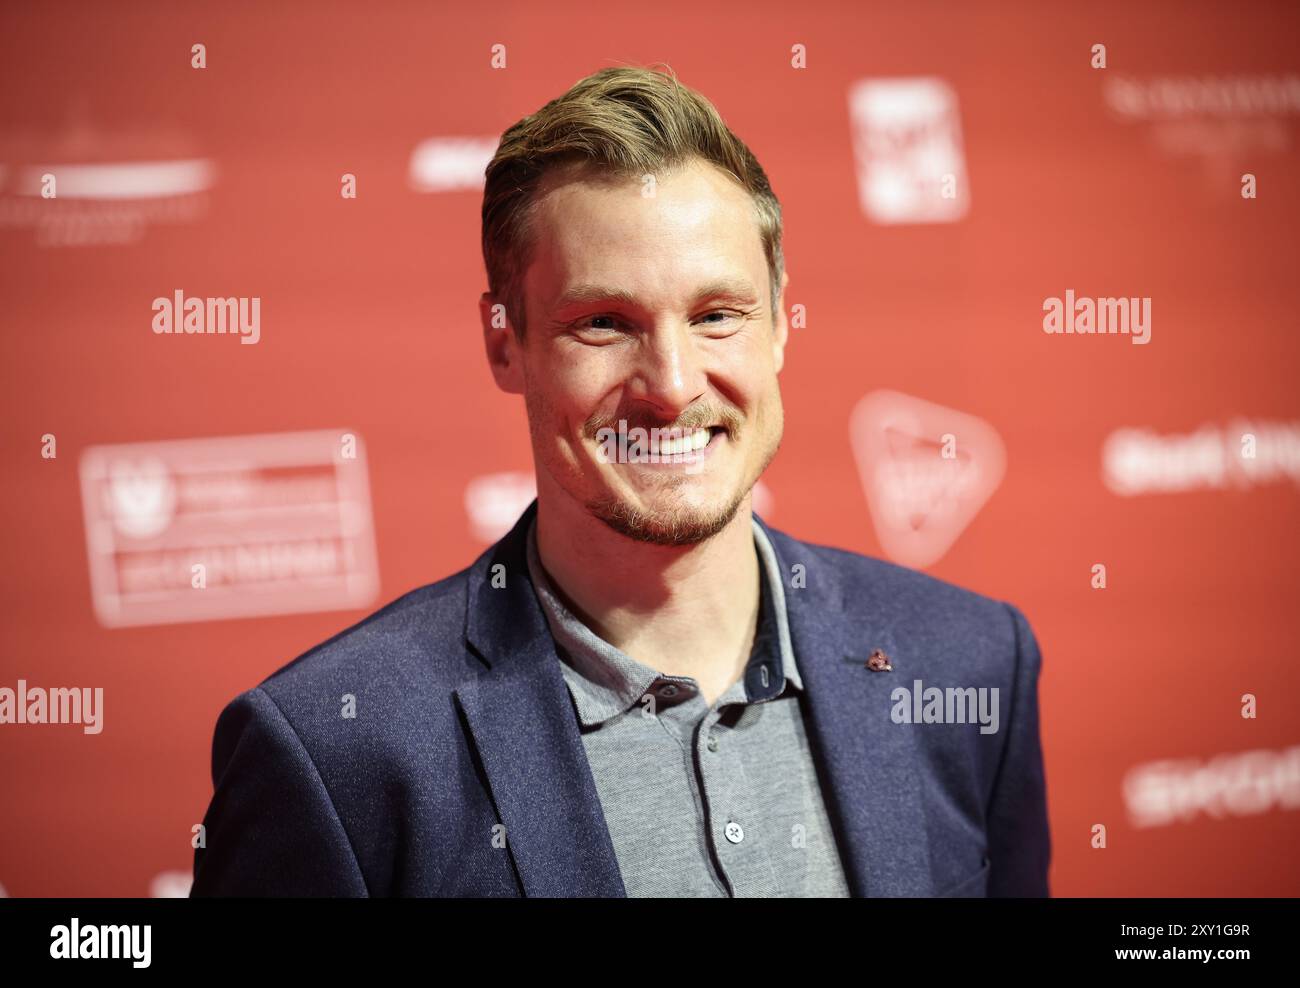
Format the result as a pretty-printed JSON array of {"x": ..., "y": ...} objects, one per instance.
[{"x": 734, "y": 833}]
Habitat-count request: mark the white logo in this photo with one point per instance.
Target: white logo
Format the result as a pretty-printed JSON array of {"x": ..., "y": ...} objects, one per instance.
[
  {"x": 171, "y": 885},
  {"x": 203, "y": 529},
  {"x": 1244, "y": 784},
  {"x": 444, "y": 164},
  {"x": 908, "y": 146},
  {"x": 926, "y": 471},
  {"x": 141, "y": 496},
  {"x": 1241, "y": 456},
  {"x": 82, "y": 185}
]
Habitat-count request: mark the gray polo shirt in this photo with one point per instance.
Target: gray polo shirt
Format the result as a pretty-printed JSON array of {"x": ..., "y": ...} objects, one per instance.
[{"x": 701, "y": 801}]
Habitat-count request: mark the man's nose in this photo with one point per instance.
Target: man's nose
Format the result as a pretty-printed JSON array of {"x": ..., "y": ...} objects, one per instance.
[{"x": 670, "y": 372}]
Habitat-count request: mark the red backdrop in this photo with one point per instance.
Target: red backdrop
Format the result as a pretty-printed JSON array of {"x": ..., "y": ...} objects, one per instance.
[{"x": 1122, "y": 180}]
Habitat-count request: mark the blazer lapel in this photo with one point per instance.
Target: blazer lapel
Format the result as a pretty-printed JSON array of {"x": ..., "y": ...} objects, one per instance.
[
  {"x": 870, "y": 763},
  {"x": 526, "y": 733}
]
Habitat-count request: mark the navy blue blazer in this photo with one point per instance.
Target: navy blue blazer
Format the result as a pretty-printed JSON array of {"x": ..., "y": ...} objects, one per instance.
[{"x": 463, "y": 772}]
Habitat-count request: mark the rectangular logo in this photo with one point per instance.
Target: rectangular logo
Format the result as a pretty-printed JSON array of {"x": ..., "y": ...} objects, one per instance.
[
  {"x": 908, "y": 146},
  {"x": 241, "y": 526}
]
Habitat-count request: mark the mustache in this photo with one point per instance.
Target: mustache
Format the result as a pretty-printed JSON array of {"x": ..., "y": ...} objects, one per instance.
[{"x": 725, "y": 418}]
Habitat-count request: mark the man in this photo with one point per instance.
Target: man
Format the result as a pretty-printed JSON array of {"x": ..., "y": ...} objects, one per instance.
[{"x": 643, "y": 689}]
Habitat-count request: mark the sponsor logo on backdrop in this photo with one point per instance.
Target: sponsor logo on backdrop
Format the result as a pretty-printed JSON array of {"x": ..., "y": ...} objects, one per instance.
[
  {"x": 494, "y": 502},
  {"x": 1173, "y": 97},
  {"x": 926, "y": 471},
  {"x": 1246, "y": 783},
  {"x": 82, "y": 186},
  {"x": 448, "y": 164},
  {"x": 171, "y": 885},
  {"x": 1210, "y": 115},
  {"x": 908, "y": 147},
  {"x": 206, "y": 529},
  {"x": 1240, "y": 456}
]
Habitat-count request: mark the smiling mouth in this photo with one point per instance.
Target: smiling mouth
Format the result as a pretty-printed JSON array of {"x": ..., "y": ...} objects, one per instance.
[
  {"x": 659, "y": 445},
  {"x": 689, "y": 443}
]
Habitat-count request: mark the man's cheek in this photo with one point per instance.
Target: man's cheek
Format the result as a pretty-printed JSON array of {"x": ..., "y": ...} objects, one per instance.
[{"x": 578, "y": 394}]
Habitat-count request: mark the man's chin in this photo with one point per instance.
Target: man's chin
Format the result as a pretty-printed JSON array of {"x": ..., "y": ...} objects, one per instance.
[{"x": 675, "y": 525}]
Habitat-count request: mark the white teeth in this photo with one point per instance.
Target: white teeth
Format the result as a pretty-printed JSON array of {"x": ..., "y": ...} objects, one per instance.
[
  {"x": 658, "y": 445},
  {"x": 686, "y": 444}
]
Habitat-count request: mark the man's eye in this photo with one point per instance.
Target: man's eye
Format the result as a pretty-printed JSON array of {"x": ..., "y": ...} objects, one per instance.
[
  {"x": 602, "y": 324},
  {"x": 725, "y": 318},
  {"x": 598, "y": 323}
]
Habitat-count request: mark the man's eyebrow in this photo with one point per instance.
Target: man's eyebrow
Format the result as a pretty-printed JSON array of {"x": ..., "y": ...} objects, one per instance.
[
  {"x": 581, "y": 294},
  {"x": 736, "y": 290}
]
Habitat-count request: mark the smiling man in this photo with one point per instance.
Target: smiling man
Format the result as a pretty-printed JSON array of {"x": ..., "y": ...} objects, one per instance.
[
  {"x": 643, "y": 689},
  {"x": 651, "y": 305}
]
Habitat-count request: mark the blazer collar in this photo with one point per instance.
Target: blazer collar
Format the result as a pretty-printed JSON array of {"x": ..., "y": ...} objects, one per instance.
[
  {"x": 526, "y": 732},
  {"x": 606, "y": 682},
  {"x": 868, "y": 765},
  {"x": 521, "y": 716}
]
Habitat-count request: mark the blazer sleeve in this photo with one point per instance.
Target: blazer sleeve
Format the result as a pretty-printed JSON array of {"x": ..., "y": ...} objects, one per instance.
[
  {"x": 1020, "y": 847},
  {"x": 271, "y": 828}
]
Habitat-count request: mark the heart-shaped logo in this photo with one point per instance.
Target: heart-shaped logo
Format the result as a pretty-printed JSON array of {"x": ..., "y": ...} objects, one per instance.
[{"x": 926, "y": 471}]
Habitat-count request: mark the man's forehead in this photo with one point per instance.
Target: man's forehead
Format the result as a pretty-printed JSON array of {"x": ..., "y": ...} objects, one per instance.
[{"x": 581, "y": 251}]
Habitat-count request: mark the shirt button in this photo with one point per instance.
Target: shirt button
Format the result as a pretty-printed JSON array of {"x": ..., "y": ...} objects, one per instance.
[
  {"x": 668, "y": 689},
  {"x": 735, "y": 833},
  {"x": 713, "y": 741}
]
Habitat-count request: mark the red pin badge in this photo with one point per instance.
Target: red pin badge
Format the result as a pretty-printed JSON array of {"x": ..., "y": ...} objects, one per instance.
[{"x": 879, "y": 662}]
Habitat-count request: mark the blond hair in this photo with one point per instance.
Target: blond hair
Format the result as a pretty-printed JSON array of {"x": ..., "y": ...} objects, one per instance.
[{"x": 624, "y": 121}]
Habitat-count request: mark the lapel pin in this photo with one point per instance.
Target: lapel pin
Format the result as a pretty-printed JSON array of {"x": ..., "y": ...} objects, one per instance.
[{"x": 879, "y": 662}]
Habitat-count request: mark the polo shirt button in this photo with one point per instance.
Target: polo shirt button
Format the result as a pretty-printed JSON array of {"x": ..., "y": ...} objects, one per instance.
[
  {"x": 668, "y": 689},
  {"x": 713, "y": 741},
  {"x": 735, "y": 833}
]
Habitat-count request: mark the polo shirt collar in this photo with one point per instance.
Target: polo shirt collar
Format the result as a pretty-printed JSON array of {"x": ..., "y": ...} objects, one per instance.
[{"x": 605, "y": 681}]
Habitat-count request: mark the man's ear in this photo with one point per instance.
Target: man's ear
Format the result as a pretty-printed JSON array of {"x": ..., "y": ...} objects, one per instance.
[
  {"x": 501, "y": 345},
  {"x": 781, "y": 328}
]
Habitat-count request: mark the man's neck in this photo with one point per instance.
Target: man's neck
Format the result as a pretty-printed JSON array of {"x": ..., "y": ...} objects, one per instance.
[{"x": 682, "y": 610}]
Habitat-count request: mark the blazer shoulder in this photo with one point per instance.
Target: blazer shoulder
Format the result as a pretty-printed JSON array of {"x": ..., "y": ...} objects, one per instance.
[
  {"x": 417, "y": 637},
  {"x": 855, "y": 568},
  {"x": 905, "y": 595}
]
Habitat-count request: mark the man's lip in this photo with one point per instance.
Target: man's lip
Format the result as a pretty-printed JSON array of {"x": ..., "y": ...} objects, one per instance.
[
  {"x": 674, "y": 432},
  {"x": 684, "y": 430}
]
